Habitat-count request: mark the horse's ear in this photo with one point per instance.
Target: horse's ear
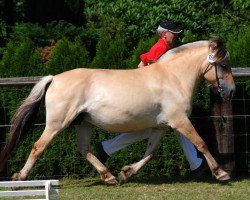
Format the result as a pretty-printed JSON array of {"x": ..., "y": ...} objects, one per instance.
[
  {"x": 215, "y": 44},
  {"x": 217, "y": 47}
]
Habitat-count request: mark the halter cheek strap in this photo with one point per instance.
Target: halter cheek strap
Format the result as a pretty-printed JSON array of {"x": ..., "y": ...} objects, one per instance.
[
  {"x": 217, "y": 78},
  {"x": 211, "y": 60}
]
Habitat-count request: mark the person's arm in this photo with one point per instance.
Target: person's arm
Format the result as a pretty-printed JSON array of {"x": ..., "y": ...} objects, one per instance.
[{"x": 155, "y": 53}]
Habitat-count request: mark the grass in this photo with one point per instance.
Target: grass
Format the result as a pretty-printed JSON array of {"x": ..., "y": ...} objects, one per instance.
[
  {"x": 154, "y": 188},
  {"x": 163, "y": 188}
]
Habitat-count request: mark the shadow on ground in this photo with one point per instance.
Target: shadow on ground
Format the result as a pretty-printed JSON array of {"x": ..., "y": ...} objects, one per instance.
[{"x": 167, "y": 180}]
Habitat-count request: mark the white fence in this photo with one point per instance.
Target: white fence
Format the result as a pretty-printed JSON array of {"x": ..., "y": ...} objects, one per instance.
[{"x": 29, "y": 189}]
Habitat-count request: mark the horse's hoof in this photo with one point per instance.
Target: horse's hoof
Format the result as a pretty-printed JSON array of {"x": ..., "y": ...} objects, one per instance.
[
  {"x": 16, "y": 177},
  {"x": 122, "y": 177},
  {"x": 111, "y": 181},
  {"x": 222, "y": 176}
]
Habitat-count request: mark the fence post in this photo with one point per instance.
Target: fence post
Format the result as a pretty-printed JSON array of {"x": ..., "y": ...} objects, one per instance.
[{"x": 223, "y": 129}]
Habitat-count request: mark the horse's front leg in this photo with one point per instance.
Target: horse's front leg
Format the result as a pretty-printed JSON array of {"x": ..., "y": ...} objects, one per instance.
[
  {"x": 83, "y": 144},
  {"x": 130, "y": 170},
  {"x": 184, "y": 126}
]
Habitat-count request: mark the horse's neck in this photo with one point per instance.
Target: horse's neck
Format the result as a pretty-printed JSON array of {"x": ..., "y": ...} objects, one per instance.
[{"x": 187, "y": 69}]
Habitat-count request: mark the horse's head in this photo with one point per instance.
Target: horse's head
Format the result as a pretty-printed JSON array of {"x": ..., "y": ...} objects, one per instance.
[{"x": 217, "y": 70}]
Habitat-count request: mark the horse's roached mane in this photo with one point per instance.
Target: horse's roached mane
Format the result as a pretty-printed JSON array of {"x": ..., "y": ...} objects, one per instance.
[
  {"x": 215, "y": 45},
  {"x": 183, "y": 48},
  {"x": 189, "y": 45}
]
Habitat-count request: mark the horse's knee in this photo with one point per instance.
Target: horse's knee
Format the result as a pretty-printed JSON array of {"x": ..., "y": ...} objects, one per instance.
[{"x": 201, "y": 146}]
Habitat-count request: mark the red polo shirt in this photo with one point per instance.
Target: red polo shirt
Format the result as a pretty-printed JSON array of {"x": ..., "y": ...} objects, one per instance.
[{"x": 155, "y": 52}]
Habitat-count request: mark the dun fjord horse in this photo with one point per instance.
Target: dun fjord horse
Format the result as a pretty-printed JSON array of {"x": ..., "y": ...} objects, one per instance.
[{"x": 156, "y": 97}]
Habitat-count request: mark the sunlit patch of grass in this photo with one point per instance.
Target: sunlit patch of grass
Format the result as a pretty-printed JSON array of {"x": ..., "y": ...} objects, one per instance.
[{"x": 176, "y": 189}]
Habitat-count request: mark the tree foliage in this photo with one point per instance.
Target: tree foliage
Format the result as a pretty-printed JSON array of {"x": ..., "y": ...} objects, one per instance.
[
  {"x": 67, "y": 55},
  {"x": 140, "y": 18}
]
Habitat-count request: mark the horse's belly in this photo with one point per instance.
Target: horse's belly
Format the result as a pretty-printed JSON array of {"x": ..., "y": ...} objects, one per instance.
[
  {"x": 118, "y": 112},
  {"x": 116, "y": 121}
]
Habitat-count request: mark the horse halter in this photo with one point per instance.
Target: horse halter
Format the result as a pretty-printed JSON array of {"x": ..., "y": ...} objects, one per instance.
[
  {"x": 211, "y": 61},
  {"x": 217, "y": 78}
]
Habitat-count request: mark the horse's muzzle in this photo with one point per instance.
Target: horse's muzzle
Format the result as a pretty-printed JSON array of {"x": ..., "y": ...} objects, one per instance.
[{"x": 226, "y": 90}]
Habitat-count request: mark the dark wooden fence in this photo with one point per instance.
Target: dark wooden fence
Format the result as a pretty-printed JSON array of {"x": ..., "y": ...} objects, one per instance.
[
  {"x": 223, "y": 125},
  {"x": 221, "y": 114}
]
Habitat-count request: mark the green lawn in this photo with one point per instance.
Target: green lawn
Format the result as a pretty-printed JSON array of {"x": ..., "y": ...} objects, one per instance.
[
  {"x": 167, "y": 189},
  {"x": 151, "y": 188}
]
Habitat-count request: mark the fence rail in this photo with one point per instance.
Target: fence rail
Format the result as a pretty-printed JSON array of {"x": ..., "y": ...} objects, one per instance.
[
  {"x": 15, "y": 81},
  {"x": 241, "y": 72},
  {"x": 24, "y": 188}
]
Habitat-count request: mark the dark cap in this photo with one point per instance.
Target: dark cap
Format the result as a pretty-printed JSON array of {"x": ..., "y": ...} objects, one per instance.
[{"x": 169, "y": 26}]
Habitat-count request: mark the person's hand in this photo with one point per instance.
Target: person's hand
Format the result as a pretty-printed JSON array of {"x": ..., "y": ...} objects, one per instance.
[{"x": 141, "y": 64}]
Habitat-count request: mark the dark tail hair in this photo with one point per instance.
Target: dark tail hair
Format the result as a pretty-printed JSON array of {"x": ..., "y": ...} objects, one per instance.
[{"x": 21, "y": 121}]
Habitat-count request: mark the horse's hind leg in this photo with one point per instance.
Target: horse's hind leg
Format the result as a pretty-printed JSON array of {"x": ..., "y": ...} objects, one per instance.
[
  {"x": 153, "y": 142},
  {"x": 83, "y": 143},
  {"x": 37, "y": 149},
  {"x": 58, "y": 117}
]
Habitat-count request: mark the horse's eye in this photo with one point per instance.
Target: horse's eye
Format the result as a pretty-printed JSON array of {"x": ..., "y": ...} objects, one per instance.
[{"x": 223, "y": 66}]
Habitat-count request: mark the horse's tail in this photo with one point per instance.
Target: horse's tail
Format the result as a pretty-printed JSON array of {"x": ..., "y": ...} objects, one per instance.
[{"x": 21, "y": 121}]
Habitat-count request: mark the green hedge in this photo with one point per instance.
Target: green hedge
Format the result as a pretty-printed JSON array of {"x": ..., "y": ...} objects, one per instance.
[
  {"x": 21, "y": 59},
  {"x": 67, "y": 55}
]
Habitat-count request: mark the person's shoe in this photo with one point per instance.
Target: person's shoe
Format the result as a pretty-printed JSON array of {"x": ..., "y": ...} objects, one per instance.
[
  {"x": 201, "y": 170},
  {"x": 101, "y": 153}
]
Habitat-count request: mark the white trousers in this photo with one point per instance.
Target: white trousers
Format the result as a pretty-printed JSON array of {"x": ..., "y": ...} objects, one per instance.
[{"x": 125, "y": 139}]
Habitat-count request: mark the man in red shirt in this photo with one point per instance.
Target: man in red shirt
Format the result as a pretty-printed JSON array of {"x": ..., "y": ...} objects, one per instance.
[{"x": 168, "y": 33}]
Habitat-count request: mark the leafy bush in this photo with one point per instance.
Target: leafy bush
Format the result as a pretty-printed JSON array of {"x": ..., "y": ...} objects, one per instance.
[
  {"x": 21, "y": 59},
  {"x": 109, "y": 52},
  {"x": 138, "y": 19},
  {"x": 41, "y": 35},
  {"x": 3, "y": 34},
  {"x": 67, "y": 55},
  {"x": 238, "y": 46},
  {"x": 34, "y": 32}
]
